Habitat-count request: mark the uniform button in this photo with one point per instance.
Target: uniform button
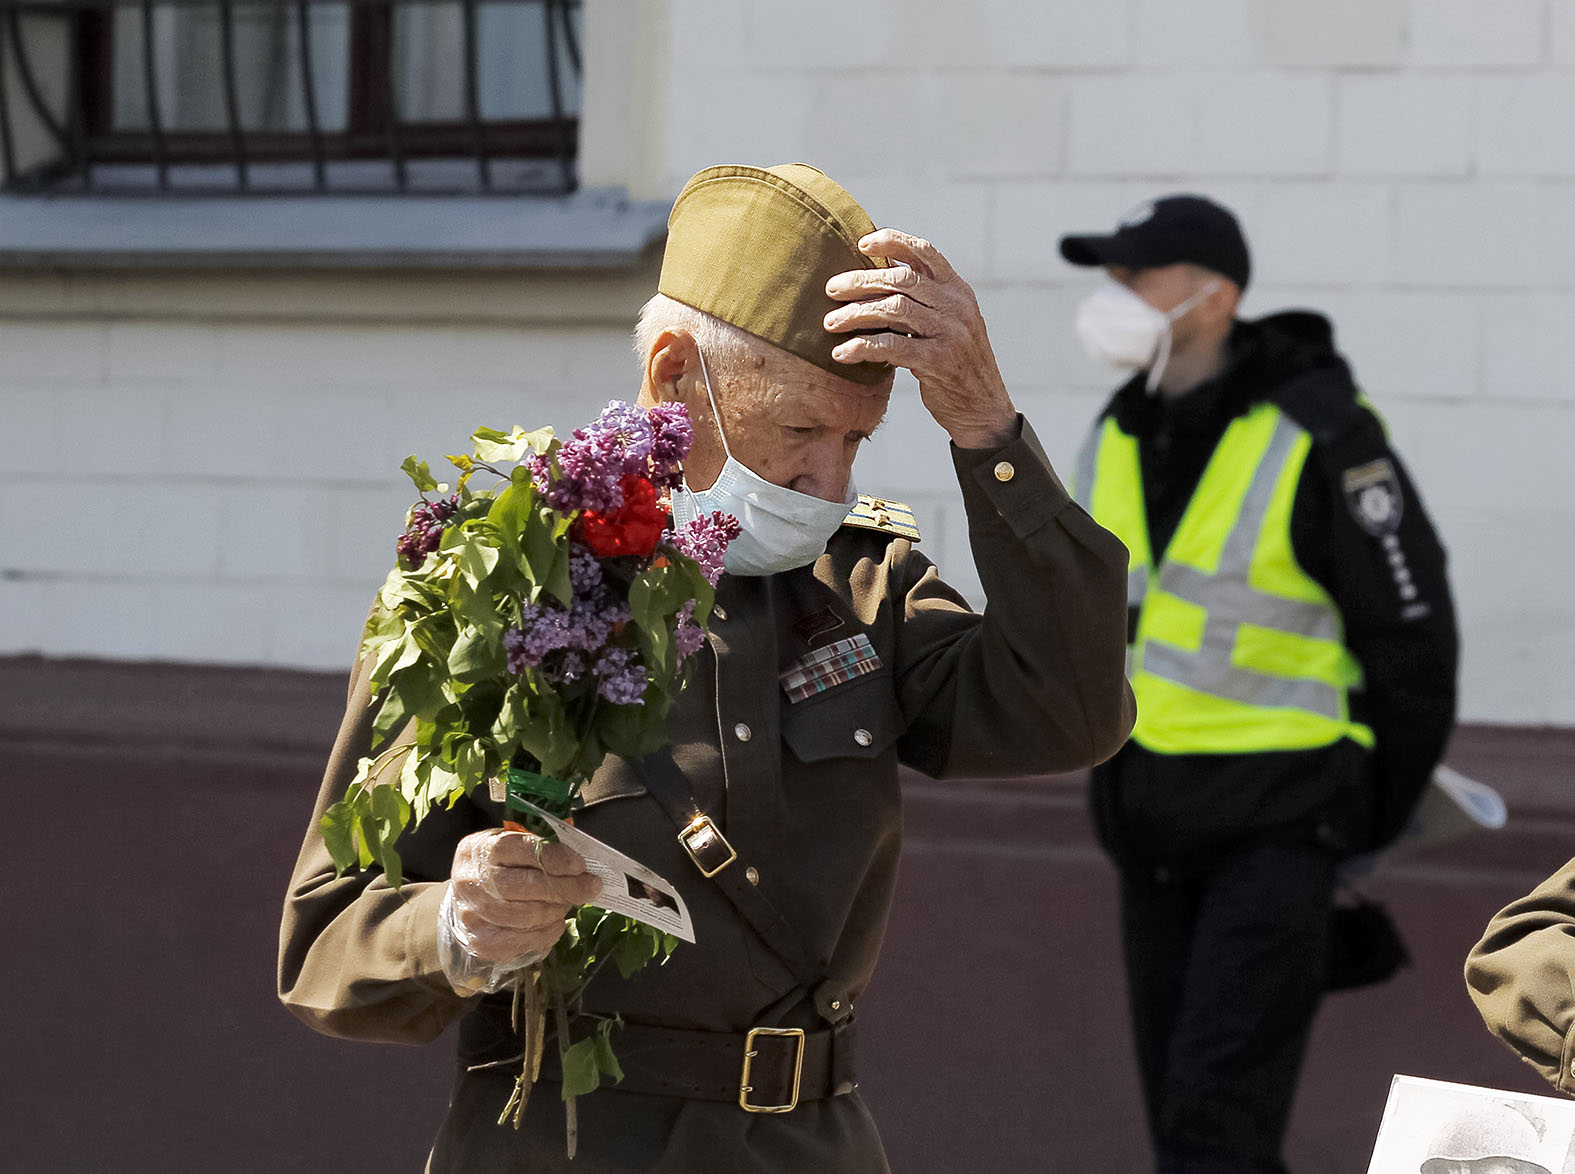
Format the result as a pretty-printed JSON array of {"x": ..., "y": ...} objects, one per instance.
[
  {"x": 863, "y": 737},
  {"x": 718, "y": 612},
  {"x": 836, "y": 1004},
  {"x": 752, "y": 876},
  {"x": 1004, "y": 471},
  {"x": 742, "y": 732}
]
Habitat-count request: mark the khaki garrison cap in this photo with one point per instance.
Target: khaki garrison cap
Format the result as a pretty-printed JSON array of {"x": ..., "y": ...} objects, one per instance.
[{"x": 755, "y": 248}]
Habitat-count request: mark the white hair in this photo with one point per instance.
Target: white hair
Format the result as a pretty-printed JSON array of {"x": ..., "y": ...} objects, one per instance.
[{"x": 727, "y": 349}]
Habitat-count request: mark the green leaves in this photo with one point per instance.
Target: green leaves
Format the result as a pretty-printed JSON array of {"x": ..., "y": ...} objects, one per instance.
[
  {"x": 606, "y": 1062},
  {"x": 581, "y": 1073},
  {"x": 361, "y": 829},
  {"x": 419, "y": 473},
  {"x": 388, "y": 817},
  {"x": 537, "y": 722},
  {"x": 474, "y": 656},
  {"x": 586, "y": 1061},
  {"x": 496, "y": 447}
]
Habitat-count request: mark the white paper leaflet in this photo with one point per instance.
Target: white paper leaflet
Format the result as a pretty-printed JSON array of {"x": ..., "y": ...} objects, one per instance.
[{"x": 628, "y": 887}]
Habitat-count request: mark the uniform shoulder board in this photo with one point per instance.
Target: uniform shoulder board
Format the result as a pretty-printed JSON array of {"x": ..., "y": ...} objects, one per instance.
[{"x": 883, "y": 514}]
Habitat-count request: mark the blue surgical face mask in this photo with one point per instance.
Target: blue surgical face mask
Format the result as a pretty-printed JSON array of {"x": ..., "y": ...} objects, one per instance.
[{"x": 779, "y": 528}]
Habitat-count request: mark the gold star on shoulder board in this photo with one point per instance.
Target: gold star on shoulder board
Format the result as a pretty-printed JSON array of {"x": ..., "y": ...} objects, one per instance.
[{"x": 883, "y": 514}]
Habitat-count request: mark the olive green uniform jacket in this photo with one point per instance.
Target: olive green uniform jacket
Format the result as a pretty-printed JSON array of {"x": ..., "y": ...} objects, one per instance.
[
  {"x": 1521, "y": 976},
  {"x": 806, "y": 792}
]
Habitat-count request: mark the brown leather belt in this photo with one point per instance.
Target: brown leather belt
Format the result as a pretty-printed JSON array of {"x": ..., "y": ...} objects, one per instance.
[{"x": 765, "y": 1070}]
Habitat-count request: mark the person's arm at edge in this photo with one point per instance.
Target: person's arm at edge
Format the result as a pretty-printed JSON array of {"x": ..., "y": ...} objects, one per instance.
[{"x": 1521, "y": 976}]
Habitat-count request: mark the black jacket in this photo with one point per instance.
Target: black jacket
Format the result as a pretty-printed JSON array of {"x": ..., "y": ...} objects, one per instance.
[{"x": 1386, "y": 576}]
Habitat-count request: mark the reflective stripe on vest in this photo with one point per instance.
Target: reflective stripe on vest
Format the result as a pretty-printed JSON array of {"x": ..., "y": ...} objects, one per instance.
[{"x": 1237, "y": 649}]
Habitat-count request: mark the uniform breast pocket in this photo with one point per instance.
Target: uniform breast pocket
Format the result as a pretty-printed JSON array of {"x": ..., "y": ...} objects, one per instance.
[{"x": 858, "y": 719}]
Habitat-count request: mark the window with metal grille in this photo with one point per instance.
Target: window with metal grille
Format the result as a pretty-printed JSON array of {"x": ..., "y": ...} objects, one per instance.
[{"x": 289, "y": 96}]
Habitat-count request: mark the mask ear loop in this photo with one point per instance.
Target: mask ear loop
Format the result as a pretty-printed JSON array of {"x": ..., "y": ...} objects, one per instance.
[
  {"x": 716, "y": 413},
  {"x": 1157, "y": 370}
]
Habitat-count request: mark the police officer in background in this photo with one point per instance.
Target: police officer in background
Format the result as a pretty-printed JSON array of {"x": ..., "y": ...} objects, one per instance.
[{"x": 1292, "y": 647}]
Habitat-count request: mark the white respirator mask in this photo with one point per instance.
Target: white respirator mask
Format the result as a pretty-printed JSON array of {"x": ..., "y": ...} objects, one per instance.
[
  {"x": 1118, "y": 327},
  {"x": 779, "y": 528}
]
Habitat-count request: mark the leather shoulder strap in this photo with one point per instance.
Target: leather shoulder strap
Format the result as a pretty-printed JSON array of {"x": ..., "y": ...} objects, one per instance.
[{"x": 667, "y": 784}]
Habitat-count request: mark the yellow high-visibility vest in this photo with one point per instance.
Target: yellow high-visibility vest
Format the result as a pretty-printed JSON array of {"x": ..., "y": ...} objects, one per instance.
[{"x": 1236, "y": 649}]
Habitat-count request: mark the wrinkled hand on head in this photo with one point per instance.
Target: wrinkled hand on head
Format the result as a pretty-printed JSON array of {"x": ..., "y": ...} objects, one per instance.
[
  {"x": 512, "y": 891},
  {"x": 925, "y": 318}
]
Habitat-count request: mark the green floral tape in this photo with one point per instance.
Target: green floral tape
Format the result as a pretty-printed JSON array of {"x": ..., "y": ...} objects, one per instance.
[{"x": 550, "y": 794}]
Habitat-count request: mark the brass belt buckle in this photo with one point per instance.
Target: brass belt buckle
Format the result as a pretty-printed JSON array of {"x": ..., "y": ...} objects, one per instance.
[
  {"x": 744, "y": 1087},
  {"x": 706, "y": 845}
]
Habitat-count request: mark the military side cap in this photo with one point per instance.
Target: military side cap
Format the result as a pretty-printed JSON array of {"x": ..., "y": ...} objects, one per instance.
[
  {"x": 755, "y": 248},
  {"x": 885, "y": 515}
]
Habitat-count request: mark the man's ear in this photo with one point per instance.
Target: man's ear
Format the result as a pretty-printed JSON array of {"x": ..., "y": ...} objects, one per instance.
[
  {"x": 672, "y": 369},
  {"x": 1220, "y": 306},
  {"x": 1230, "y": 298}
]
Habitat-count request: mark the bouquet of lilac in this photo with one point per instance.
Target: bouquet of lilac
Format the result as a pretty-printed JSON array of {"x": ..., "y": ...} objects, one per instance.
[{"x": 528, "y": 629}]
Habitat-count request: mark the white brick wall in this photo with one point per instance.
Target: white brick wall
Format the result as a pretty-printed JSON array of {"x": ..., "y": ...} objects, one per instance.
[
  {"x": 1404, "y": 124},
  {"x": 1470, "y": 32},
  {"x": 1404, "y": 165},
  {"x": 231, "y": 492},
  {"x": 1522, "y": 124}
]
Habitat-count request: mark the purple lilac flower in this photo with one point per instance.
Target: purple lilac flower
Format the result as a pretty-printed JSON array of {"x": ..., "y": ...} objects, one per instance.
[
  {"x": 553, "y": 638},
  {"x": 625, "y": 440},
  {"x": 593, "y": 461},
  {"x": 424, "y": 531},
  {"x": 585, "y": 571},
  {"x": 543, "y": 629},
  {"x": 625, "y": 431},
  {"x": 621, "y": 677},
  {"x": 705, "y": 540},
  {"x": 688, "y": 636},
  {"x": 590, "y": 623},
  {"x": 672, "y": 437},
  {"x": 585, "y": 479},
  {"x": 540, "y": 472}
]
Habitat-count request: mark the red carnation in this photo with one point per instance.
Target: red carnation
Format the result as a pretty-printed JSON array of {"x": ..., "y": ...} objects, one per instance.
[{"x": 633, "y": 528}]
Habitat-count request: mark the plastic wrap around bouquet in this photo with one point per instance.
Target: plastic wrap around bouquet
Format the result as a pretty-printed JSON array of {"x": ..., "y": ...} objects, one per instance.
[{"x": 540, "y": 616}]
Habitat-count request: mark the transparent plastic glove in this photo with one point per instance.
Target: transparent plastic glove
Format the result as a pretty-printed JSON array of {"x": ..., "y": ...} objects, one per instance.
[
  {"x": 505, "y": 905},
  {"x": 467, "y": 973}
]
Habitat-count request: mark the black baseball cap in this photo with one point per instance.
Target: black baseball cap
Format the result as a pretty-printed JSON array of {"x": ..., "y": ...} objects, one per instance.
[{"x": 1167, "y": 231}]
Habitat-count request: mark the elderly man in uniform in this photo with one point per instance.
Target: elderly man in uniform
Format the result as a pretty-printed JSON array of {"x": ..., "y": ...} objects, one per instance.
[
  {"x": 1293, "y": 654},
  {"x": 779, "y": 316}
]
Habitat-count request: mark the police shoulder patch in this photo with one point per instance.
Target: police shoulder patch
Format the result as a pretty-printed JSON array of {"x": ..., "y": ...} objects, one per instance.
[
  {"x": 1372, "y": 494},
  {"x": 883, "y": 514}
]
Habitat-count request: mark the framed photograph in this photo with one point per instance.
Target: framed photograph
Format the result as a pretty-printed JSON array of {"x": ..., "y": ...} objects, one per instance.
[{"x": 1434, "y": 1127}]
